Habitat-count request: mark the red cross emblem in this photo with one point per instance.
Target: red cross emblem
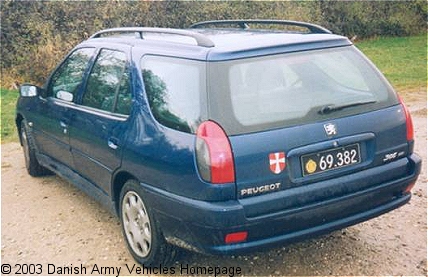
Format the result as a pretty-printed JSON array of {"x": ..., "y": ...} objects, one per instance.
[{"x": 277, "y": 162}]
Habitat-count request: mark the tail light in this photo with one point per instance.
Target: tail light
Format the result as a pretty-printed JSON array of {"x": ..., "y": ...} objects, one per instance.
[
  {"x": 409, "y": 123},
  {"x": 409, "y": 135},
  {"x": 214, "y": 154}
]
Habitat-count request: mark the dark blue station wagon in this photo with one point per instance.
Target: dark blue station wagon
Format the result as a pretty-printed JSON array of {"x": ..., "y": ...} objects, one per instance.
[{"x": 222, "y": 138}]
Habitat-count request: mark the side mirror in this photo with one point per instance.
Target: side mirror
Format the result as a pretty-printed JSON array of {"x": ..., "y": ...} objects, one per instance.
[{"x": 28, "y": 90}]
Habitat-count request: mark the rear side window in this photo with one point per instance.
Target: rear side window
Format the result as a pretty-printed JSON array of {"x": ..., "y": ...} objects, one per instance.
[
  {"x": 108, "y": 83},
  {"x": 174, "y": 89},
  {"x": 68, "y": 77},
  {"x": 297, "y": 88}
]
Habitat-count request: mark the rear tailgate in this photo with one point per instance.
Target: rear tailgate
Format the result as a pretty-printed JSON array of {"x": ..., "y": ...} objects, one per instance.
[{"x": 288, "y": 168}]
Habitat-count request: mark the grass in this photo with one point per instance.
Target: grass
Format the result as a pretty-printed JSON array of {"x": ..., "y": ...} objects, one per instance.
[
  {"x": 8, "y": 103},
  {"x": 403, "y": 60}
]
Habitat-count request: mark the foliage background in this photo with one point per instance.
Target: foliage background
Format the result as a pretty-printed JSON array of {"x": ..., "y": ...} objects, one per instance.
[{"x": 35, "y": 35}]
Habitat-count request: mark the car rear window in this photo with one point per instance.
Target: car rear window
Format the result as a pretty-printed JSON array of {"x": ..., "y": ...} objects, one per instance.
[
  {"x": 263, "y": 93},
  {"x": 176, "y": 91}
]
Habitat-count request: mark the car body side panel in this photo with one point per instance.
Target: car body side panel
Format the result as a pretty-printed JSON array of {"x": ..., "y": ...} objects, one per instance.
[
  {"x": 96, "y": 141},
  {"x": 78, "y": 181},
  {"x": 48, "y": 119},
  {"x": 164, "y": 158}
]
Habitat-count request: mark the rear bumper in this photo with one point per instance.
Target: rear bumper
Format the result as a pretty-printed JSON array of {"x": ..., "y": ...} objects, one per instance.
[{"x": 202, "y": 226}]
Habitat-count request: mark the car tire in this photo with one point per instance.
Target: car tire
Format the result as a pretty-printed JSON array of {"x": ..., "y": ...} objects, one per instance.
[
  {"x": 141, "y": 230},
  {"x": 31, "y": 162}
]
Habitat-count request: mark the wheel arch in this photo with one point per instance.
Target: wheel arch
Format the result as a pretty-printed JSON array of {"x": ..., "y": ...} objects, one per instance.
[
  {"x": 119, "y": 180},
  {"x": 18, "y": 121}
]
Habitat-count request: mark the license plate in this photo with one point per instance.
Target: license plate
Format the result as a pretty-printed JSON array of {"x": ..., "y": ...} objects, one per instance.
[{"x": 330, "y": 159}]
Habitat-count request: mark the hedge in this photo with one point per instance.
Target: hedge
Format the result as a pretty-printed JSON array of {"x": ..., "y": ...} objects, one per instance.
[{"x": 35, "y": 35}]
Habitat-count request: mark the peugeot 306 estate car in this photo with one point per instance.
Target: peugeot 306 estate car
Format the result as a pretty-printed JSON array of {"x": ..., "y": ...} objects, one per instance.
[{"x": 222, "y": 138}]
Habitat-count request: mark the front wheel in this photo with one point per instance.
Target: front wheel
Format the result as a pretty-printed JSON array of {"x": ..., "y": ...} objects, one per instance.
[
  {"x": 140, "y": 229},
  {"x": 31, "y": 162}
]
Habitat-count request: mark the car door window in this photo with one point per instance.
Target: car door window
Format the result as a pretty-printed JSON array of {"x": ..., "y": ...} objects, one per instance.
[
  {"x": 65, "y": 82},
  {"x": 108, "y": 83},
  {"x": 124, "y": 98}
]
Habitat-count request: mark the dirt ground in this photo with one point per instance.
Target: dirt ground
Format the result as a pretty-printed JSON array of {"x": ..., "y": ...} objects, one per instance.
[{"x": 48, "y": 221}]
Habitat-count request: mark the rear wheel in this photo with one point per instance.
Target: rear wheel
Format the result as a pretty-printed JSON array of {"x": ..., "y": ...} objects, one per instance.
[
  {"x": 31, "y": 162},
  {"x": 140, "y": 229}
]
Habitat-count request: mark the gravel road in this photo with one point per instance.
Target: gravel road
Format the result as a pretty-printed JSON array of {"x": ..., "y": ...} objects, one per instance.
[{"x": 48, "y": 221}]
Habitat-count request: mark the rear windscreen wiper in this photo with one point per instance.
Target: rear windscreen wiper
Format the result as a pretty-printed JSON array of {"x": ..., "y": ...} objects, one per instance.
[{"x": 332, "y": 108}]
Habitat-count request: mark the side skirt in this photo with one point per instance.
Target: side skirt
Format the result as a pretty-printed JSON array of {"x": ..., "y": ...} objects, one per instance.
[{"x": 78, "y": 181}]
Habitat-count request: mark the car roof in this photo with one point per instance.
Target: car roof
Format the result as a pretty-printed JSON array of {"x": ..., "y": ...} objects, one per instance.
[
  {"x": 217, "y": 44},
  {"x": 232, "y": 44}
]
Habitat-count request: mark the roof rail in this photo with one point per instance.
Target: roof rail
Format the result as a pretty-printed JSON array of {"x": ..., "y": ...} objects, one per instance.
[
  {"x": 200, "y": 39},
  {"x": 244, "y": 24}
]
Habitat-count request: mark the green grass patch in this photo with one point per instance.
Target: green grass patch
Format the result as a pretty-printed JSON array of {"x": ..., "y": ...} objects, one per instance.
[
  {"x": 403, "y": 60},
  {"x": 8, "y": 103}
]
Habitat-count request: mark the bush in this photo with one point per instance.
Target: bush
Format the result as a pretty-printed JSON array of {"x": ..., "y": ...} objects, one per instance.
[
  {"x": 375, "y": 18},
  {"x": 37, "y": 34}
]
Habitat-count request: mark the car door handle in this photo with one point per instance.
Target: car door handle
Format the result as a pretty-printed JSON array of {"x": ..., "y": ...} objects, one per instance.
[
  {"x": 64, "y": 126},
  {"x": 113, "y": 143}
]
